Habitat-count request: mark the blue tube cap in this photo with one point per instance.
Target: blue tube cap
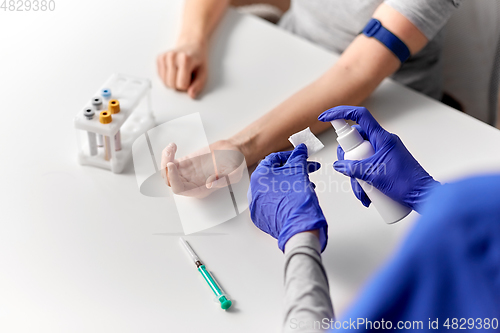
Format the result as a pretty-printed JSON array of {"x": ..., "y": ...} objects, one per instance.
[{"x": 106, "y": 92}]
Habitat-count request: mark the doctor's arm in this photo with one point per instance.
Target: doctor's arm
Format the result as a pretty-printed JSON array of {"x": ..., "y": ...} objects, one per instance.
[
  {"x": 307, "y": 295},
  {"x": 360, "y": 69},
  {"x": 283, "y": 204}
]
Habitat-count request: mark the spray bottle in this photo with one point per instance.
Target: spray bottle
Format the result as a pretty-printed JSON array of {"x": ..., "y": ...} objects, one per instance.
[{"x": 356, "y": 148}]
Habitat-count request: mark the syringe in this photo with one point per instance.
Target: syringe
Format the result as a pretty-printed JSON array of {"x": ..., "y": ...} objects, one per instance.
[{"x": 225, "y": 303}]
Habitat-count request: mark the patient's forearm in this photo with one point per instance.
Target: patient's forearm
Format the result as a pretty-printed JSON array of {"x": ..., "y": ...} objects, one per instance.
[
  {"x": 360, "y": 69},
  {"x": 199, "y": 19},
  {"x": 352, "y": 79}
]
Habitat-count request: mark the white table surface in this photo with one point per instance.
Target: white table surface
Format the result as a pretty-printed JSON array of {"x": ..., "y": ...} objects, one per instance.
[{"x": 81, "y": 250}]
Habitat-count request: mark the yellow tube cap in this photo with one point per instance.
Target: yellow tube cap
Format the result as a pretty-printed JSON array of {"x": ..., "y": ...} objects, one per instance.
[
  {"x": 114, "y": 106},
  {"x": 105, "y": 117}
]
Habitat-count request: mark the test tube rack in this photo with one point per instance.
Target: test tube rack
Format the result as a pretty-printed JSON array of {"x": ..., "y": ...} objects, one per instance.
[{"x": 124, "y": 127}]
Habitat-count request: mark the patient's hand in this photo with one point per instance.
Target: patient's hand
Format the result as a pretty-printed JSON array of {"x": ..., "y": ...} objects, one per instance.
[
  {"x": 203, "y": 172},
  {"x": 184, "y": 68}
]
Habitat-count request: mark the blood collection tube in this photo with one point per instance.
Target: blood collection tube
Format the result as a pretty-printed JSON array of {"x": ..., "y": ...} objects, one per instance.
[
  {"x": 89, "y": 114},
  {"x": 97, "y": 104},
  {"x": 106, "y": 95},
  {"x": 105, "y": 118},
  {"x": 114, "y": 108}
]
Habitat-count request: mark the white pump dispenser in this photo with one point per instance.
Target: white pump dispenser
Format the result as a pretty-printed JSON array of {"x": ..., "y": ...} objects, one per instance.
[{"x": 356, "y": 148}]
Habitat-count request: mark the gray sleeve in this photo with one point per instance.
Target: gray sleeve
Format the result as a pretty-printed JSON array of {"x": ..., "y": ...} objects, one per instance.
[
  {"x": 307, "y": 295},
  {"x": 429, "y": 16}
]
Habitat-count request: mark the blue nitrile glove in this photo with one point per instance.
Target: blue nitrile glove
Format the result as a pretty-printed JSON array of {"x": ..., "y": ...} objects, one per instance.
[
  {"x": 404, "y": 180},
  {"x": 282, "y": 199},
  {"x": 447, "y": 270}
]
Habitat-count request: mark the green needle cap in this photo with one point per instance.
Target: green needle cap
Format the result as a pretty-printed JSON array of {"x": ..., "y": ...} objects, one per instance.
[{"x": 225, "y": 303}]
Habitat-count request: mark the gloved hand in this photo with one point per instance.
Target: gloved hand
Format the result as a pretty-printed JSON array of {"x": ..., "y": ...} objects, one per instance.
[
  {"x": 282, "y": 199},
  {"x": 404, "y": 180}
]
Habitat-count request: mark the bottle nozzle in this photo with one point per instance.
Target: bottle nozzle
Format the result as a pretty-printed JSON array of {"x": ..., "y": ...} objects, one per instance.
[
  {"x": 348, "y": 137},
  {"x": 340, "y": 125}
]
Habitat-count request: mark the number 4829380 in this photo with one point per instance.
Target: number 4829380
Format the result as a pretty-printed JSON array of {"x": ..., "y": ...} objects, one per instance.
[{"x": 28, "y": 5}]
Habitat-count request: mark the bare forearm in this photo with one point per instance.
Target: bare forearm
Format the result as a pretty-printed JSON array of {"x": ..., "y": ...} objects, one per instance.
[
  {"x": 349, "y": 81},
  {"x": 185, "y": 67},
  {"x": 360, "y": 69},
  {"x": 200, "y": 18}
]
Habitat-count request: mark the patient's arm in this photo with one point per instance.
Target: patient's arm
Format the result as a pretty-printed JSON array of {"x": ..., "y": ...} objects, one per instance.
[
  {"x": 184, "y": 68},
  {"x": 204, "y": 171},
  {"x": 360, "y": 69}
]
